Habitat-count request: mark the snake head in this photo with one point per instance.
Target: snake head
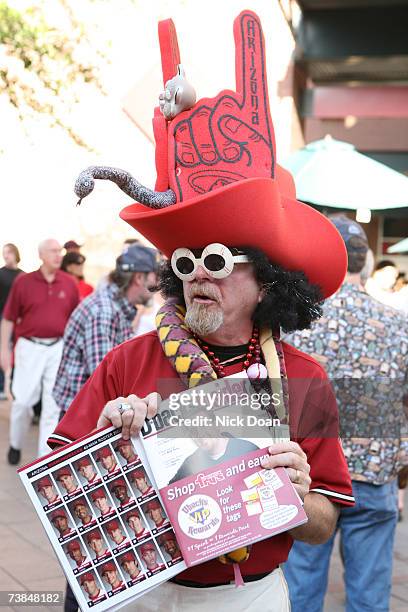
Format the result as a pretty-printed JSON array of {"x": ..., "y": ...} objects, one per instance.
[{"x": 84, "y": 185}]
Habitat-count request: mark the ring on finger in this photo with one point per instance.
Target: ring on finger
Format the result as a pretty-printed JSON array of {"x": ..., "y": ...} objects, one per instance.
[
  {"x": 124, "y": 407},
  {"x": 297, "y": 479}
]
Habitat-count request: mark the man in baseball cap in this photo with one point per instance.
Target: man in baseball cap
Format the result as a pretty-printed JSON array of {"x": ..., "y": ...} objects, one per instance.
[
  {"x": 46, "y": 489},
  {"x": 135, "y": 522},
  {"x": 97, "y": 544},
  {"x": 60, "y": 522},
  {"x": 74, "y": 550},
  {"x": 101, "y": 502},
  {"x": 110, "y": 574},
  {"x": 170, "y": 545},
  {"x": 120, "y": 490},
  {"x": 130, "y": 564},
  {"x": 82, "y": 511},
  {"x": 107, "y": 458},
  {"x": 67, "y": 480},
  {"x": 88, "y": 582},
  {"x": 141, "y": 481},
  {"x": 104, "y": 319},
  {"x": 125, "y": 448},
  {"x": 115, "y": 532},
  {"x": 87, "y": 470},
  {"x": 148, "y": 553},
  {"x": 156, "y": 513}
]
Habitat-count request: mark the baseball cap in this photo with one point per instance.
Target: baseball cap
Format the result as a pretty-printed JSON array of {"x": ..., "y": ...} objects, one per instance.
[
  {"x": 352, "y": 233},
  {"x": 112, "y": 526},
  {"x": 167, "y": 537},
  {"x": 83, "y": 462},
  {"x": 137, "y": 474},
  {"x": 71, "y": 244},
  {"x": 44, "y": 482},
  {"x": 75, "y": 545},
  {"x": 153, "y": 505},
  {"x": 103, "y": 452},
  {"x": 147, "y": 546},
  {"x": 65, "y": 471},
  {"x": 129, "y": 556},
  {"x": 108, "y": 567},
  {"x": 118, "y": 483},
  {"x": 88, "y": 577},
  {"x": 98, "y": 494},
  {"x": 121, "y": 442},
  {"x": 58, "y": 514},
  {"x": 94, "y": 535},
  {"x": 134, "y": 513},
  {"x": 79, "y": 502},
  {"x": 138, "y": 258}
]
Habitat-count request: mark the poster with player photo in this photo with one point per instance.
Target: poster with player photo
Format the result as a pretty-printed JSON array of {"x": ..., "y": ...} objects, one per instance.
[
  {"x": 126, "y": 454},
  {"x": 97, "y": 545},
  {"x": 116, "y": 535},
  {"x": 67, "y": 482},
  {"x": 102, "y": 504},
  {"x": 131, "y": 568},
  {"x": 87, "y": 473},
  {"x": 112, "y": 577},
  {"x": 77, "y": 556},
  {"x": 136, "y": 526},
  {"x": 92, "y": 588},
  {"x": 140, "y": 484},
  {"x": 169, "y": 548},
  {"x": 156, "y": 516},
  {"x": 47, "y": 492},
  {"x": 151, "y": 558},
  {"x": 82, "y": 513},
  {"x": 62, "y": 524},
  {"x": 121, "y": 494},
  {"x": 107, "y": 462}
]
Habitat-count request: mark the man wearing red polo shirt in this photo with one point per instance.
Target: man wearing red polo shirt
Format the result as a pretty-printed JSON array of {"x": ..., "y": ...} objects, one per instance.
[{"x": 37, "y": 309}]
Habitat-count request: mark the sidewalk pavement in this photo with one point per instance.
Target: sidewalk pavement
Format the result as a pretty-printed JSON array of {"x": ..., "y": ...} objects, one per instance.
[{"x": 27, "y": 562}]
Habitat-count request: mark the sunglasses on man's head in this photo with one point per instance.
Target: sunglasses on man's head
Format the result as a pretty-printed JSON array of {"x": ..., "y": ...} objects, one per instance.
[{"x": 217, "y": 260}]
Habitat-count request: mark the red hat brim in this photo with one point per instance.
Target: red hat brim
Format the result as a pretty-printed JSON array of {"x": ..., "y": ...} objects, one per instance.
[{"x": 250, "y": 213}]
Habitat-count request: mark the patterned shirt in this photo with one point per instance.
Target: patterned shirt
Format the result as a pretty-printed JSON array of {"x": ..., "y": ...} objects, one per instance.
[
  {"x": 363, "y": 346},
  {"x": 102, "y": 321}
]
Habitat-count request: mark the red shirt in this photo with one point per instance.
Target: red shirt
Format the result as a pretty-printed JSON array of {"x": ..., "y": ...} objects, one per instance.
[
  {"x": 39, "y": 308},
  {"x": 311, "y": 402},
  {"x": 84, "y": 289}
]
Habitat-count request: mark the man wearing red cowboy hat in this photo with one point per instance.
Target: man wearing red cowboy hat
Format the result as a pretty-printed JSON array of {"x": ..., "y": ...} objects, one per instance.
[
  {"x": 245, "y": 260},
  {"x": 46, "y": 490},
  {"x": 119, "y": 488},
  {"x": 127, "y": 451},
  {"x": 130, "y": 564},
  {"x": 141, "y": 481},
  {"x": 88, "y": 582},
  {"x": 155, "y": 511},
  {"x": 101, "y": 502},
  {"x": 107, "y": 458},
  {"x": 97, "y": 544},
  {"x": 87, "y": 470},
  {"x": 148, "y": 552},
  {"x": 82, "y": 511},
  {"x": 74, "y": 550},
  {"x": 170, "y": 545},
  {"x": 60, "y": 522},
  {"x": 109, "y": 573},
  {"x": 67, "y": 480},
  {"x": 135, "y": 522},
  {"x": 114, "y": 530}
]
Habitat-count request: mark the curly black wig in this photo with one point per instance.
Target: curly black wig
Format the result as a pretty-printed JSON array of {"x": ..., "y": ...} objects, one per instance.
[{"x": 290, "y": 301}]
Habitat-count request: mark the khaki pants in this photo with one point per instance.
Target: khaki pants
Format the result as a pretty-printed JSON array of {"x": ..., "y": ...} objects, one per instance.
[{"x": 267, "y": 595}]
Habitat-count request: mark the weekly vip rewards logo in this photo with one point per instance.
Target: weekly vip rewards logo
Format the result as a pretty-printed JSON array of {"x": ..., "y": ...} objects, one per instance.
[{"x": 199, "y": 516}]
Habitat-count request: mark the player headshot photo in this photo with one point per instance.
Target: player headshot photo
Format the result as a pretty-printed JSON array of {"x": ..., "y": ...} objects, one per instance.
[
  {"x": 107, "y": 461},
  {"x": 90, "y": 585},
  {"x": 102, "y": 502},
  {"x": 87, "y": 472},
  {"x": 156, "y": 515},
  {"x": 151, "y": 557},
  {"x": 97, "y": 544},
  {"x": 120, "y": 493},
  {"x": 141, "y": 483},
  {"x": 67, "y": 482},
  {"x": 136, "y": 525},
  {"x": 116, "y": 534},
  {"x": 61, "y": 523},
  {"x": 127, "y": 454},
  {"x": 79, "y": 560},
  {"x": 130, "y": 565},
  {"x": 112, "y": 578},
  {"x": 82, "y": 512},
  {"x": 47, "y": 493},
  {"x": 211, "y": 452},
  {"x": 170, "y": 546}
]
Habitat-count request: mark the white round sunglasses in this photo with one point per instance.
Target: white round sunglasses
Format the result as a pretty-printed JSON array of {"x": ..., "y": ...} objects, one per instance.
[{"x": 216, "y": 259}]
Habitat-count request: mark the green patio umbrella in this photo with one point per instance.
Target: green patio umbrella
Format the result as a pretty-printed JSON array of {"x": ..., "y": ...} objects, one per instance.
[
  {"x": 332, "y": 173},
  {"x": 399, "y": 247}
]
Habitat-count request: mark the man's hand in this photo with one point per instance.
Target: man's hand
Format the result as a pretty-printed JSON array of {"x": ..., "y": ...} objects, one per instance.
[
  {"x": 131, "y": 420},
  {"x": 290, "y": 456}
]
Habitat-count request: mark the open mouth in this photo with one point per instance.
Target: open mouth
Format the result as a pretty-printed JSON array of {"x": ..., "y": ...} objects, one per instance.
[{"x": 203, "y": 299}]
